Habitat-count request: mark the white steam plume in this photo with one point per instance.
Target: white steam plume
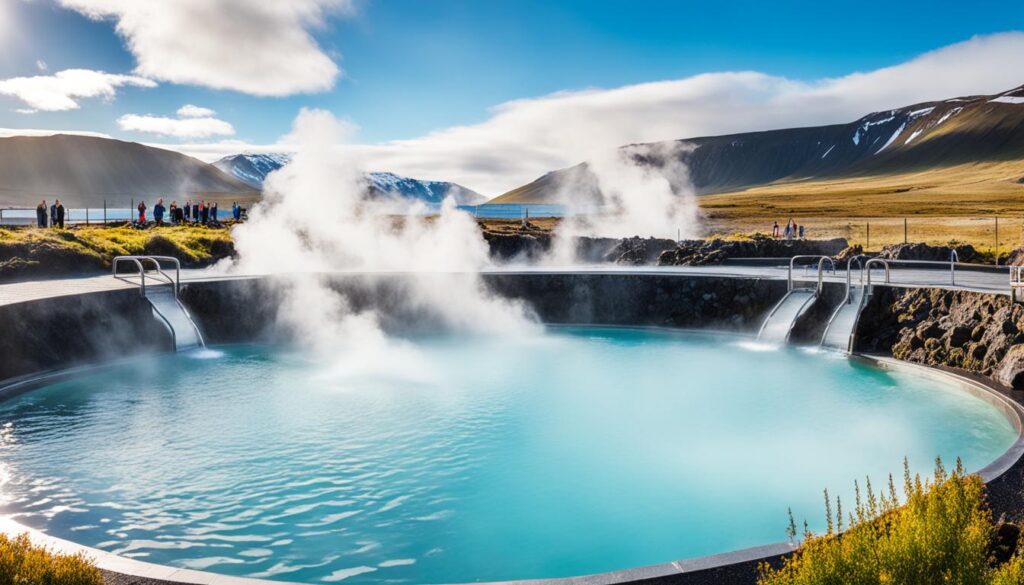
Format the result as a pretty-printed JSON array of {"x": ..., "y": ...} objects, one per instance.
[
  {"x": 317, "y": 216},
  {"x": 638, "y": 190}
]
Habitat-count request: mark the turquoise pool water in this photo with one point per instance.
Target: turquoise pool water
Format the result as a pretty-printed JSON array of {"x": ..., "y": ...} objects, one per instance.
[{"x": 581, "y": 451}]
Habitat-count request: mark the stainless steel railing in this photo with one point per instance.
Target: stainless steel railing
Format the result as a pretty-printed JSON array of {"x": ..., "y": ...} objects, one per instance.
[
  {"x": 867, "y": 267},
  {"x": 821, "y": 269},
  {"x": 140, "y": 263}
]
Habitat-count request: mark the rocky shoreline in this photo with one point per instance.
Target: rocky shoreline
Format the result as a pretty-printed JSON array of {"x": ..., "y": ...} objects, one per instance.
[{"x": 980, "y": 333}]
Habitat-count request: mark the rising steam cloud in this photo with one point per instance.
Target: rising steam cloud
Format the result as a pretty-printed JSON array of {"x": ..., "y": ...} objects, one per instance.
[
  {"x": 638, "y": 190},
  {"x": 317, "y": 216}
]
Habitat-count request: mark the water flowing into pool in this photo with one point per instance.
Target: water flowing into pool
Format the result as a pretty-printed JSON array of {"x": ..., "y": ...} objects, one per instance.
[{"x": 580, "y": 451}]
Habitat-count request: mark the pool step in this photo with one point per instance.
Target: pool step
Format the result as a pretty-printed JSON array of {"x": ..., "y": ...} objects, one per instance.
[
  {"x": 779, "y": 323},
  {"x": 168, "y": 310}
]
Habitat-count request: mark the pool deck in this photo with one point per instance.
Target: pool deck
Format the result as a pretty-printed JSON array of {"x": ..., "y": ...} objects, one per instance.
[{"x": 986, "y": 281}]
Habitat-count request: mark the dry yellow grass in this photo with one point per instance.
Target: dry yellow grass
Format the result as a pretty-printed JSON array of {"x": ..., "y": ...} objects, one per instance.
[{"x": 956, "y": 203}]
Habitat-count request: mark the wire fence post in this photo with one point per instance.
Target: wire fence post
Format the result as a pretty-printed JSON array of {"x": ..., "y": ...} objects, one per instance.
[
  {"x": 104, "y": 212},
  {"x": 87, "y": 215},
  {"x": 867, "y": 245},
  {"x": 997, "y": 241},
  {"x": 904, "y": 230}
]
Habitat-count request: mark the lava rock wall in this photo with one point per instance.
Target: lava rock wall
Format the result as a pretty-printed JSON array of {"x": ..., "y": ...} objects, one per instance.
[{"x": 978, "y": 332}]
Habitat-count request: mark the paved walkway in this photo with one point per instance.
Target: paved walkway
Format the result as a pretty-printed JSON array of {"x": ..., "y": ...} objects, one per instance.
[{"x": 981, "y": 281}]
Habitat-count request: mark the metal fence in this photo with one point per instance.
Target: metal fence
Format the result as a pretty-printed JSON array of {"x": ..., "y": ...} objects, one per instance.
[
  {"x": 72, "y": 216},
  {"x": 13, "y": 216}
]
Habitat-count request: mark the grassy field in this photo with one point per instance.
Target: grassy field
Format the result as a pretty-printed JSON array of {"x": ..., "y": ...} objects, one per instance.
[
  {"x": 30, "y": 251},
  {"x": 956, "y": 203}
]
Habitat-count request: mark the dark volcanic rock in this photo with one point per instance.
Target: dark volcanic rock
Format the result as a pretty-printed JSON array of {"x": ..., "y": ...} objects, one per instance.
[
  {"x": 1014, "y": 258},
  {"x": 965, "y": 252},
  {"x": 702, "y": 252},
  {"x": 525, "y": 246},
  {"x": 972, "y": 331},
  {"x": 1005, "y": 536},
  {"x": 1011, "y": 369},
  {"x": 637, "y": 250}
]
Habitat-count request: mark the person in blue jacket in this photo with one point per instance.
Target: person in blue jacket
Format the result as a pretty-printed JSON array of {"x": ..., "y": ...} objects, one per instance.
[{"x": 158, "y": 211}]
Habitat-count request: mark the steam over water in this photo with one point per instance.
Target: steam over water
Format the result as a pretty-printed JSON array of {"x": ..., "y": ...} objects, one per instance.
[
  {"x": 578, "y": 451},
  {"x": 316, "y": 217}
]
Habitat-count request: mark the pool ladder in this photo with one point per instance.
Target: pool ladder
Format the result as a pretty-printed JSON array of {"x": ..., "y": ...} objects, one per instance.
[
  {"x": 163, "y": 297},
  {"x": 799, "y": 297}
]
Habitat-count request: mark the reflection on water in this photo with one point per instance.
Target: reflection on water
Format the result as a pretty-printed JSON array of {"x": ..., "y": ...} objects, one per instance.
[{"x": 581, "y": 451}]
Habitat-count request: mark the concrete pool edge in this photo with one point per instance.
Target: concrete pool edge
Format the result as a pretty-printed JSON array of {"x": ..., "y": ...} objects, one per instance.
[{"x": 731, "y": 566}]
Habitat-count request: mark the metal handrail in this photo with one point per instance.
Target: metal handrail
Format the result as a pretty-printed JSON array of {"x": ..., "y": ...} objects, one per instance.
[
  {"x": 135, "y": 260},
  {"x": 821, "y": 263},
  {"x": 177, "y": 270},
  {"x": 1016, "y": 281},
  {"x": 953, "y": 259},
  {"x": 139, "y": 261},
  {"x": 883, "y": 262},
  {"x": 859, "y": 258},
  {"x": 157, "y": 268}
]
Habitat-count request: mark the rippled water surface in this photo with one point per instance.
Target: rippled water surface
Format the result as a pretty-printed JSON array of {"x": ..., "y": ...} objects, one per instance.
[{"x": 585, "y": 450}]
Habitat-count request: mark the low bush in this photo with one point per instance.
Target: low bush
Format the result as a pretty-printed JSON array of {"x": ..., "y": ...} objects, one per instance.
[
  {"x": 940, "y": 533},
  {"x": 22, "y": 563}
]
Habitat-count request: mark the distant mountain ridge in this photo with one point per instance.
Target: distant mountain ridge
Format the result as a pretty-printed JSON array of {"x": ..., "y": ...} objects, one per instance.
[
  {"x": 254, "y": 168},
  {"x": 929, "y": 135},
  {"x": 87, "y": 170}
]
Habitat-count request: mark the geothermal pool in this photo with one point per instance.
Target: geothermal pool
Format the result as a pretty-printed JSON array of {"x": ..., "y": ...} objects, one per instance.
[{"x": 456, "y": 459}]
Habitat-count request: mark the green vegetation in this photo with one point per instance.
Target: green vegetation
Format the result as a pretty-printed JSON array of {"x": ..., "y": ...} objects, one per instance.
[
  {"x": 34, "y": 251},
  {"x": 23, "y": 563},
  {"x": 942, "y": 534}
]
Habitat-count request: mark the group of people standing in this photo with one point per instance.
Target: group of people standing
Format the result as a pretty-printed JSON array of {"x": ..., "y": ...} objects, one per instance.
[
  {"x": 791, "y": 231},
  {"x": 56, "y": 214},
  {"x": 191, "y": 212}
]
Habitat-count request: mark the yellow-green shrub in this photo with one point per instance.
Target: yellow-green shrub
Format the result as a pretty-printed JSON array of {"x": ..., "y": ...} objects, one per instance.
[
  {"x": 22, "y": 563},
  {"x": 940, "y": 535},
  {"x": 1012, "y": 573}
]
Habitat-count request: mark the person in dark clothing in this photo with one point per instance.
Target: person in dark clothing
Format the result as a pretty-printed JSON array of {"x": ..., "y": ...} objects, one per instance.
[
  {"x": 53, "y": 213},
  {"x": 41, "y": 214},
  {"x": 142, "y": 211},
  {"x": 59, "y": 212},
  {"x": 213, "y": 212},
  {"x": 236, "y": 211},
  {"x": 158, "y": 212},
  {"x": 187, "y": 210},
  {"x": 204, "y": 212},
  {"x": 195, "y": 211}
]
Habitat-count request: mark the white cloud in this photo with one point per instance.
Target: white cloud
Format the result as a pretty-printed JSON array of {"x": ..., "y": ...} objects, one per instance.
[
  {"x": 256, "y": 47},
  {"x": 63, "y": 90},
  {"x": 523, "y": 139},
  {"x": 176, "y": 127},
  {"x": 190, "y": 111},
  {"x": 526, "y": 138},
  {"x": 41, "y": 65}
]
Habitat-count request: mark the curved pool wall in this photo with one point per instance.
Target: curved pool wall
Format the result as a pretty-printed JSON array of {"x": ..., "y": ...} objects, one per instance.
[{"x": 56, "y": 337}]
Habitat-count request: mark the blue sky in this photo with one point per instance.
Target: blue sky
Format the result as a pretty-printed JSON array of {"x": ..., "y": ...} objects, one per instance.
[{"x": 412, "y": 67}]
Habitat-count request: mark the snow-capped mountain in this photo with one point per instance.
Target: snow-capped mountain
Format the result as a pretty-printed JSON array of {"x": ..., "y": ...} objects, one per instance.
[
  {"x": 984, "y": 129},
  {"x": 254, "y": 168}
]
